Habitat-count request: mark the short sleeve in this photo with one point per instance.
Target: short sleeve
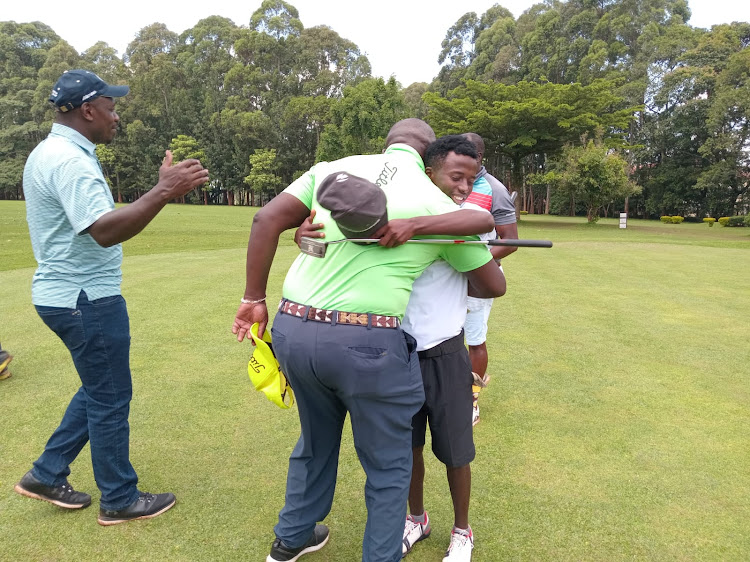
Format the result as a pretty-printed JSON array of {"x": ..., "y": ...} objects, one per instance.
[
  {"x": 303, "y": 187},
  {"x": 503, "y": 209},
  {"x": 466, "y": 257},
  {"x": 82, "y": 192}
]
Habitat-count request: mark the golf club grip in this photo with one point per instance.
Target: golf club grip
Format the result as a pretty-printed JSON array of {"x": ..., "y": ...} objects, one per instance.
[{"x": 521, "y": 243}]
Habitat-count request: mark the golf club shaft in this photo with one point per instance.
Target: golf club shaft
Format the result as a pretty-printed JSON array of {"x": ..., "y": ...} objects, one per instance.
[{"x": 517, "y": 243}]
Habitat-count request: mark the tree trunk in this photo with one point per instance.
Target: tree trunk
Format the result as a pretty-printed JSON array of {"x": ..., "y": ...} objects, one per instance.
[
  {"x": 517, "y": 173},
  {"x": 531, "y": 199}
]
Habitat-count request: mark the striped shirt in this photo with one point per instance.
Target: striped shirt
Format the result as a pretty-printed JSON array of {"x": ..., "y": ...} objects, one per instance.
[
  {"x": 65, "y": 194},
  {"x": 481, "y": 194},
  {"x": 490, "y": 194}
]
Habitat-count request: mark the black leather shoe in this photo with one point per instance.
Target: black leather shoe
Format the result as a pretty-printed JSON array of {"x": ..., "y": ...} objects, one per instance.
[
  {"x": 145, "y": 507},
  {"x": 282, "y": 553},
  {"x": 63, "y": 495}
]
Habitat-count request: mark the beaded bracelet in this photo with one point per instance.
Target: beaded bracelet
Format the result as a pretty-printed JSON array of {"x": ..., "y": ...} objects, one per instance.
[{"x": 248, "y": 301}]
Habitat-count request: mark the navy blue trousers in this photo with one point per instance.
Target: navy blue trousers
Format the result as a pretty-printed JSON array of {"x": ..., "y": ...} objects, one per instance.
[
  {"x": 97, "y": 334},
  {"x": 372, "y": 373}
]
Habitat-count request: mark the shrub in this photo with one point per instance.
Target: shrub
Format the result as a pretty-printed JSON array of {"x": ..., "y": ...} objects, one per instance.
[
  {"x": 737, "y": 220},
  {"x": 671, "y": 220},
  {"x": 709, "y": 220},
  {"x": 747, "y": 221},
  {"x": 523, "y": 212}
]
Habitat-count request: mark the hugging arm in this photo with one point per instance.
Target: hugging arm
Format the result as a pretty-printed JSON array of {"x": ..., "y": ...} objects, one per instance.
[
  {"x": 505, "y": 232},
  {"x": 487, "y": 281},
  {"x": 309, "y": 229},
  {"x": 462, "y": 222}
]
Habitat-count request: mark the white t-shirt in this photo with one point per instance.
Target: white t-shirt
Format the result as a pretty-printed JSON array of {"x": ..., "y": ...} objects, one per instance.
[{"x": 437, "y": 305}]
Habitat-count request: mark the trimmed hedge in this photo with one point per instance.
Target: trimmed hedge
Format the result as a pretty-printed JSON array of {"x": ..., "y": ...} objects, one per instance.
[
  {"x": 737, "y": 220},
  {"x": 672, "y": 220},
  {"x": 709, "y": 220}
]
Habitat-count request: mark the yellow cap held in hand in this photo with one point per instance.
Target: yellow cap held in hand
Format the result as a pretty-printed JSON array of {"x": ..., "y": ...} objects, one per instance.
[{"x": 265, "y": 372}]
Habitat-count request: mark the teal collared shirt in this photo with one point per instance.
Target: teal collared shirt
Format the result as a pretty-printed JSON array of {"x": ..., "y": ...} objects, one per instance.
[{"x": 66, "y": 193}]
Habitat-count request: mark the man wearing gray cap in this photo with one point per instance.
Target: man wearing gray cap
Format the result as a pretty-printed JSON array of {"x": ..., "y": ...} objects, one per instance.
[
  {"x": 76, "y": 234},
  {"x": 337, "y": 333}
]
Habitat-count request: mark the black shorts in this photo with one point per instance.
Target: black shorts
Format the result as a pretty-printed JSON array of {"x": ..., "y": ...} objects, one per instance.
[{"x": 446, "y": 372}]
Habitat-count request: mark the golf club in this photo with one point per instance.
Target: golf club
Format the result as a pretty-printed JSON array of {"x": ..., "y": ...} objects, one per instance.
[{"x": 317, "y": 248}]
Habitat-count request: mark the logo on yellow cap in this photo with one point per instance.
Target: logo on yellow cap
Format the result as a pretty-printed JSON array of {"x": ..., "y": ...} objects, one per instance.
[{"x": 265, "y": 372}]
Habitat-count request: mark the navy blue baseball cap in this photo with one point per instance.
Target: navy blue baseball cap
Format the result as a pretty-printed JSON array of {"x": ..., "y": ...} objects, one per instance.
[{"x": 75, "y": 87}]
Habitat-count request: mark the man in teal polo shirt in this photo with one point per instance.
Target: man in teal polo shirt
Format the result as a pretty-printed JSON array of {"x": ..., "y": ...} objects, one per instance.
[
  {"x": 337, "y": 334},
  {"x": 76, "y": 234}
]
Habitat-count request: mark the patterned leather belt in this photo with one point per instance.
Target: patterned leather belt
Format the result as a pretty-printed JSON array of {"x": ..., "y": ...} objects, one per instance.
[{"x": 337, "y": 316}]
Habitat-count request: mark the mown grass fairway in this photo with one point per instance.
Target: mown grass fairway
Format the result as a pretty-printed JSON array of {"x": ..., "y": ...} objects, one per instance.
[{"x": 616, "y": 425}]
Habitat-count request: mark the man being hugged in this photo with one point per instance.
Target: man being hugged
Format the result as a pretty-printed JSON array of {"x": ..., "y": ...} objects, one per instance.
[{"x": 444, "y": 362}]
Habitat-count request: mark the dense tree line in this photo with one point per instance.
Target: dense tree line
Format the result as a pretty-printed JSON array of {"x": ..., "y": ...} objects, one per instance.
[{"x": 622, "y": 85}]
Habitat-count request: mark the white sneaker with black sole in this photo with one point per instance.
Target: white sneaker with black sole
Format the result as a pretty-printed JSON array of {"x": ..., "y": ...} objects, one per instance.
[{"x": 414, "y": 531}]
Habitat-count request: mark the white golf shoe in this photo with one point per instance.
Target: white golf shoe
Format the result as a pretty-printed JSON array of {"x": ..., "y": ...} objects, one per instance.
[
  {"x": 460, "y": 547},
  {"x": 414, "y": 532}
]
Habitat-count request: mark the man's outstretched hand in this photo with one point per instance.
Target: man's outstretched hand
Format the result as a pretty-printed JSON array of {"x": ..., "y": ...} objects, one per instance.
[{"x": 181, "y": 178}]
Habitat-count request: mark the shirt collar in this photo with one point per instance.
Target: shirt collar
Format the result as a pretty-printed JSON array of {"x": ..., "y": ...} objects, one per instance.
[
  {"x": 481, "y": 173},
  {"x": 400, "y": 147},
  {"x": 74, "y": 136}
]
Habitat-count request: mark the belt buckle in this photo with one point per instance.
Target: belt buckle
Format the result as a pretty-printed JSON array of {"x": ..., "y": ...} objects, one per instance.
[{"x": 353, "y": 318}]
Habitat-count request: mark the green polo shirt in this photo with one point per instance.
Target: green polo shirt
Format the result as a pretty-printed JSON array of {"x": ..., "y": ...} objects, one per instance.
[{"x": 356, "y": 278}]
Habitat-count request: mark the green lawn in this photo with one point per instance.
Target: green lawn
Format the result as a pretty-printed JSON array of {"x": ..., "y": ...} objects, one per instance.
[{"x": 616, "y": 425}]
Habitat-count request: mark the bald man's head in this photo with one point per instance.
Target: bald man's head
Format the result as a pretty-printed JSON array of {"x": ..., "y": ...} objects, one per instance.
[
  {"x": 414, "y": 132},
  {"x": 477, "y": 141}
]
